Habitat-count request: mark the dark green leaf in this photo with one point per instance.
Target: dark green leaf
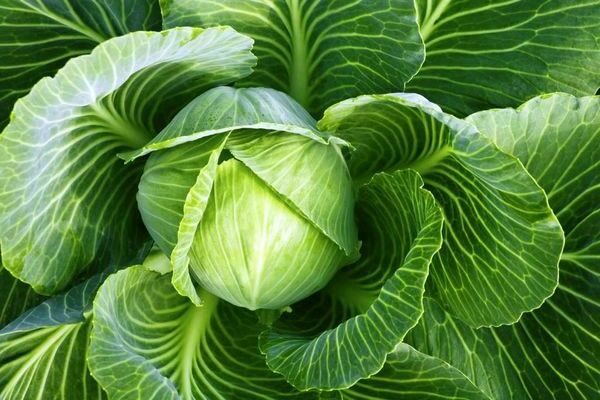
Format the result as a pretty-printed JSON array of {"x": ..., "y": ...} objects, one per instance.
[
  {"x": 319, "y": 52},
  {"x": 37, "y": 37},
  {"x": 552, "y": 352},
  {"x": 43, "y": 352},
  {"x": 484, "y": 53},
  {"x": 410, "y": 375}
]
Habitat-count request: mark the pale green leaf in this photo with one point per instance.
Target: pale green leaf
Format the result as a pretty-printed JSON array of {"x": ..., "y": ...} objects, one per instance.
[
  {"x": 304, "y": 168},
  {"x": 168, "y": 177},
  {"x": 251, "y": 248},
  {"x": 311, "y": 175},
  {"x": 195, "y": 204},
  {"x": 225, "y": 109}
]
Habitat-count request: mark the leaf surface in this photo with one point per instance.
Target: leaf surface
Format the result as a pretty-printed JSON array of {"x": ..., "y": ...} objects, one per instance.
[
  {"x": 319, "y": 52},
  {"x": 501, "y": 240}
]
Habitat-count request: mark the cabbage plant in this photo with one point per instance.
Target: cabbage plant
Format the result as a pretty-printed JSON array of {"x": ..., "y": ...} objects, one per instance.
[{"x": 312, "y": 199}]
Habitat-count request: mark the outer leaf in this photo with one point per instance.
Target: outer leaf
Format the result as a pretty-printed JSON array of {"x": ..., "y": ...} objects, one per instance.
[
  {"x": 38, "y": 36},
  {"x": 409, "y": 374},
  {"x": 15, "y": 297},
  {"x": 149, "y": 342},
  {"x": 502, "y": 242},
  {"x": 401, "y": 228},
  {"x": 484, "y": 53},
  {"x": 557, "y": 138},
  {"x": 42, "y": 353},
  {"x": 551, "y": 353},
  {"x": 554, "y": 352},
  {"x": 315, "y": 50},
  {"x": 66, "y": 201}
]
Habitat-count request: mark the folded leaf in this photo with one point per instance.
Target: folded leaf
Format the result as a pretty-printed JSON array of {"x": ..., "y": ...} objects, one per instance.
[
  {"x": 66, "y": 202},
  {"x": 37, "y": 37},
  {"x": 317, "y": 345},
  {"x": 408, "y": 374},
  {"x": 148, "y": 342},
  {"x": 483, "y": 54},
  {"x": 304, "y": 168},
  {"x": 43, "y": 352},
  {"x": 224, "y": 109},
  {"x": 501, "y": 240},
  {"x": 319, "y": 52},
  {"x": 553, "y": 352}
]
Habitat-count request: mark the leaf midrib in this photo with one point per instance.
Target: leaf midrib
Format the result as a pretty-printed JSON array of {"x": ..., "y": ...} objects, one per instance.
[
  {"x": 196, "y": 324},
  {"x": 299, "y": 89}
]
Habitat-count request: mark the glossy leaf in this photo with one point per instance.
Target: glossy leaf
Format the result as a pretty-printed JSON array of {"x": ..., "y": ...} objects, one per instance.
[
  {"x": 501, "y": 240},
  {"x": 43, "y": 352},
  {"x": 483, "y": 54},
  {"x": 15, "y": 297},
  {"x": 37, "y": 37},
  {"x": 149, "y": 342},
  {"x": 319, "y": 52},
  {"x": 66, "y": 201},
  {"x": 304, "y": 168},
  {"x": 316, "y": 345},
  {"x": 409, "y": 374},
  {"x": 552, "y": 352},
  {"x": 225, "y": 109}
]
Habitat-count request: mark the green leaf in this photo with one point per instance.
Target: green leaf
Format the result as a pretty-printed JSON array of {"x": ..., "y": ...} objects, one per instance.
[
  {"x": 557, "y": 138},
  {"x": 225, "y": 109},
  {"x": 253, "y": 250},
  {"x": 42, "y": 353},
  {"x": 483, "y": 54},
  {"x": 66, "y": 202},
  {"x": 63, "y": 309},
  {"x": 501, "y": 241},
  {"x": 309, "y": 174},
  {"x": 148, "y": 342},
  {"x": 193, "y": 211},
  {"x": 15, "y": 297},
  {"x": 168, "y": 177},
  {"x": 401, "y": 231},
  {"x": 37, "y": 37},
  {"x": 553, "y": 352},
  {"x": 408, "y": 374},
  {"x": 319, "y": 52},
  {"x": 253, "y": 121}
]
